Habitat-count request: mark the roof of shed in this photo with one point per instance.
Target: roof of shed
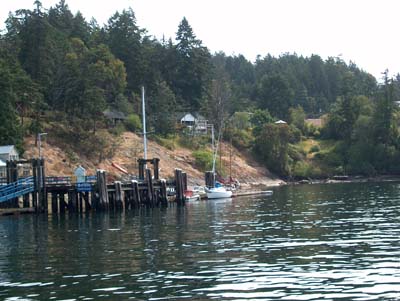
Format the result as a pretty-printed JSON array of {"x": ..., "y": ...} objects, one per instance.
[{"x": 6, "y": 149}]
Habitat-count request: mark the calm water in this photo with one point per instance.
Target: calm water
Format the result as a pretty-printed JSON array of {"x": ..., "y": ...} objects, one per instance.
[{"x": 316, "y": 242}]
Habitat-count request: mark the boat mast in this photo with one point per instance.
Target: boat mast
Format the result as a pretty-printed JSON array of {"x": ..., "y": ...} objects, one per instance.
[
  {"x": 213, "y": 148},
  {"x": 144, "y": 125}
]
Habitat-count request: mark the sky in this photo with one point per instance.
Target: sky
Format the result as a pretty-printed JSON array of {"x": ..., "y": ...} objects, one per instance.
[{"x": 362, "y": 31}]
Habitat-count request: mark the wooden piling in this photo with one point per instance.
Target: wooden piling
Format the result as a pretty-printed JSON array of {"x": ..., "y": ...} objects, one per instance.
[
  {"x": 210, "y": 179},
  {"x": 80, "y": 201},
  {"x": 72, "y": 201},
  {"x": 54, "y": 203},
  {"x": 150, "y": 189},
  {"x": 184, "y": 181},
  {"x": 25, "y": 201},
  {"x": 43, "y": 190},
  {"x": 163, "y": 192},
  {"x": 135, "y": 193},
  {"x": 179, "y": 187},
  {"x": 63, "y": 204},
  {"x": 156, "y": 162},
  {"x": 35, "y": 185},
  {"x": 118, "y": 194},
  {"x": 102, "y": 190},
  {"x": 86, "y": 197}
]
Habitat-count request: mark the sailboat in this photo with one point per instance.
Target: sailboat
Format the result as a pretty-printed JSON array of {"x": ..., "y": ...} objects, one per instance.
[{"x": 218, "y": 191}]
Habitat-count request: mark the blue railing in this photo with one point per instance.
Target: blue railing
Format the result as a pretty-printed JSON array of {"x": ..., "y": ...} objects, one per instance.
[
  {"x": 16, "y": 189},
  {"x": 67, "y": 180},
  {"x": 25, "y": 185}
]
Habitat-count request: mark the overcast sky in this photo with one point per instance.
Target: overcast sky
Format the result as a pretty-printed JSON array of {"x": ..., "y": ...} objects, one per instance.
[{"x": 363, "y": 31}]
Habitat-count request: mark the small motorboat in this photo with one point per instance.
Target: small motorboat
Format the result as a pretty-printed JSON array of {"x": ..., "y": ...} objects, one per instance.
[
  {"x": 200, "y": 191},
  {"x": 190, "y": 195}
]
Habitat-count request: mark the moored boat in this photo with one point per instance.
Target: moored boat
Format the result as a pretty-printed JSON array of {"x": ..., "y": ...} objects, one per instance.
[
  {"x": 190, "y": 195},
  {"x": 218, "y": 193}
]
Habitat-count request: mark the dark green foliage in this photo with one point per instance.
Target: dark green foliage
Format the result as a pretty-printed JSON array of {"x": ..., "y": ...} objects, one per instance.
[
  {"x": 203, "y": 159},
  {"x": 133, "y": 123},
  {"x": 297, "y": 117},
  {"x": 55, "y": 60},
  {"x": 241, "y": 139},
  {"x": 18, "y": 96},
  {"x": 193, "y": 65},
  {"x": 275, "y": 95},
  {"x": 258, "y": 119},
  {"x": 271, "y": 146},
  {"x": 314, "y": 149},
  {"x": 162, "y": 107},
  {"x": 124, "y": 39}
]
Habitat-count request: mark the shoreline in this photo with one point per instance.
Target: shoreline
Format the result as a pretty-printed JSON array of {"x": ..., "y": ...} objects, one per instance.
[
  {"x": 349, "y": 179},
  {"x": 267, "y": 184}
]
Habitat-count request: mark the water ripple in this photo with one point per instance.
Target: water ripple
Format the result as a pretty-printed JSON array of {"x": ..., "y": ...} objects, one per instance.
[{"x": 315, "y": 242}]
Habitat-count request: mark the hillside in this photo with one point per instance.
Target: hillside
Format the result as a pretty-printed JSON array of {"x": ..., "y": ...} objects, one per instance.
[{"x": 128, "y": 148}]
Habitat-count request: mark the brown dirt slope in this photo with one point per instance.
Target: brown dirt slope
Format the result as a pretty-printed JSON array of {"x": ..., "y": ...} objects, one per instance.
[{"x": 129, "y": 148}]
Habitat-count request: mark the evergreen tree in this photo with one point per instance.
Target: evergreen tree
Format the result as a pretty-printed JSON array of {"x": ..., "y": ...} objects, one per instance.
[
  {"x": 385, "y": 130},
  {"x": 275, "y": 95},
  {"x": 124, "y": 39},
  {"x": 16, "y": 91},
  {"x": 162, "y": 108},
  {"x": 192, "y": 70}
]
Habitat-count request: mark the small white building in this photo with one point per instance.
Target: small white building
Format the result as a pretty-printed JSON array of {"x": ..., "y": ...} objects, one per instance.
[
  {"x": 280, "y": 122},
  {"x": 188, "y": 120},
  {"x": 195, "y": 122},
  {"x": 80, "y": 174},
  {"x": 8, "y": 152}
]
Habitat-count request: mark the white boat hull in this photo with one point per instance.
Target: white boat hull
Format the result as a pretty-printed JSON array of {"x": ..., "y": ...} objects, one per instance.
[
  {"x": 218, "y": 193},
  {"x": 194, "y": 197}
]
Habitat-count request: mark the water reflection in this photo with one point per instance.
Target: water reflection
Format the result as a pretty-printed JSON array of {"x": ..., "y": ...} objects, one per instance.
[{"x": 330, "y": 242}]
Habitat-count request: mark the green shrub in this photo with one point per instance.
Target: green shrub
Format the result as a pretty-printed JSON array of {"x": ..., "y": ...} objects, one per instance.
[
  {"x": 118, "y": 129},
  {"x": 296, "y": 153},
  {"x": 193, "y": 142},
  {"x": 305, "y": 170},
  {"x": 301, "y": 170},
  {"x": 331, "y": 158},
  {"x": 133, "y": 123},
  {"x": 295, "y": 134},
  {"x": 314, "y": 149},
  {"x": 168, "y": 143},
  {"x": 203, "y": 159},
  {"x": 242, "y": 139}
]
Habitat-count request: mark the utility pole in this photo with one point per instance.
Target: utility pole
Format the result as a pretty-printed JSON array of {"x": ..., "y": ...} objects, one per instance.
[
  {"x": 144, "y": 125},
  {"x": 40, "y": 143}
]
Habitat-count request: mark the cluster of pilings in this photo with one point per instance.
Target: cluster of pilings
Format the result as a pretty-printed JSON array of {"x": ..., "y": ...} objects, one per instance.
[{"x": 147, "y": 190}]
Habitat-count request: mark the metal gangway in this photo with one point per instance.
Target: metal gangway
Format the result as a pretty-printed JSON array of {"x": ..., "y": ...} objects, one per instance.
[{"x": 16, "y": 189}]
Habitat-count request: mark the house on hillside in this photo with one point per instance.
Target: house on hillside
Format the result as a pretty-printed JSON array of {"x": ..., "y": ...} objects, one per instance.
[
  {"x": 194, "y": 122},
  {"x": 317, "y": 122},
  {"x": 114, "y": 117},
  {"x": 7, "y": 152}
]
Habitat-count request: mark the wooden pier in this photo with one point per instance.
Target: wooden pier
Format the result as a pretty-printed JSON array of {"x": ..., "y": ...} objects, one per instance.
[{"x": 66, "y": 194}]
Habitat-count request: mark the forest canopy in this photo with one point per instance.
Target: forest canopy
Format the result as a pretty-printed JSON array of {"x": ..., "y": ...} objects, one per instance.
[{"x": 55, "y": 61}]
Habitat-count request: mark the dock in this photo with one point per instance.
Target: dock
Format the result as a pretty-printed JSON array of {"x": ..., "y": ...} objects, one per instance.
[
  {"x": 250, "y": 192},
  {"x": 41, "y": 194}
]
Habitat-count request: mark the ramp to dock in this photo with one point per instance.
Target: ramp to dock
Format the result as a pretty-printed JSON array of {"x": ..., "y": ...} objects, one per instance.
[{"x": 16, "y": 189}]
